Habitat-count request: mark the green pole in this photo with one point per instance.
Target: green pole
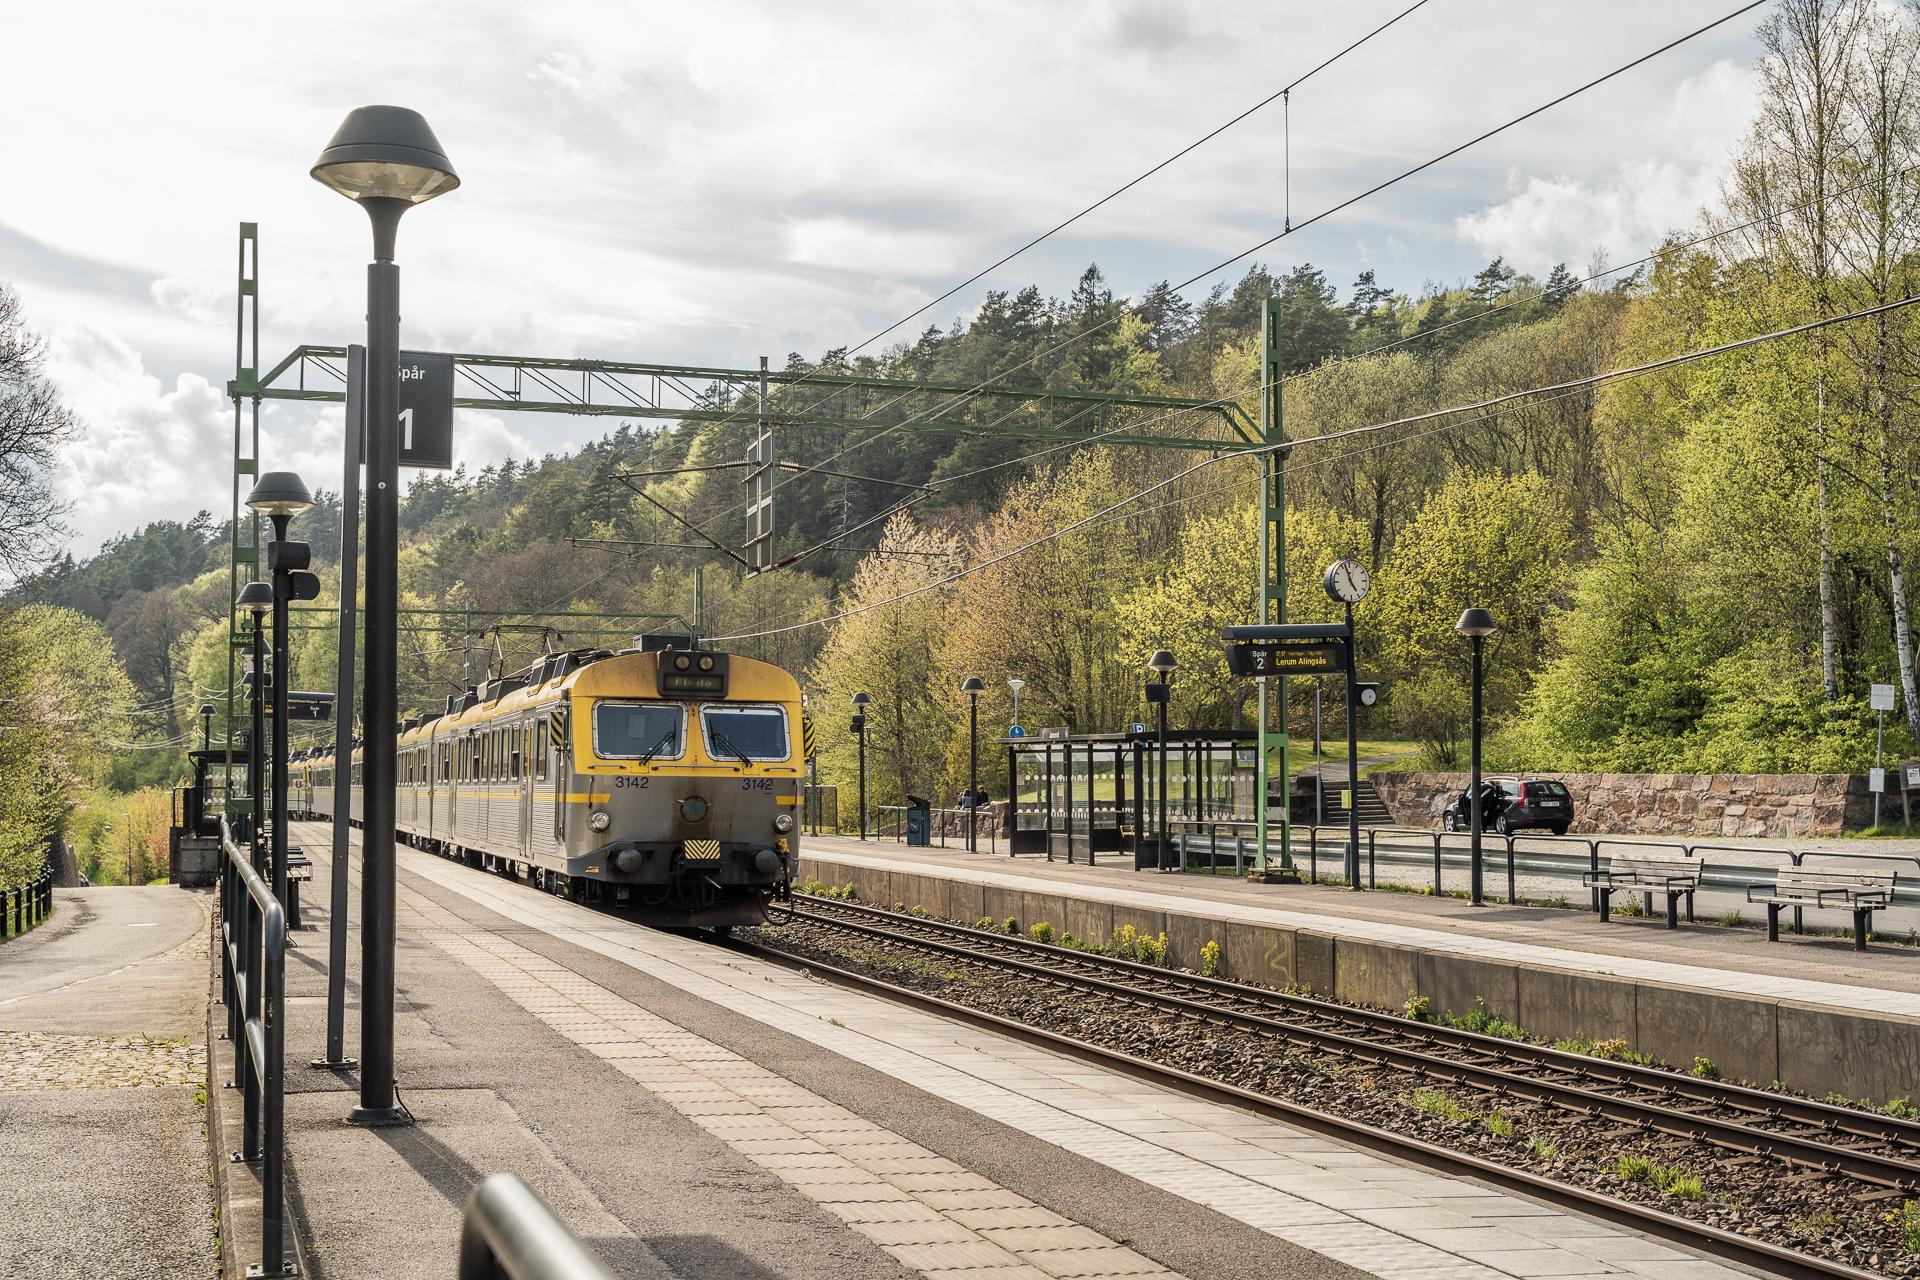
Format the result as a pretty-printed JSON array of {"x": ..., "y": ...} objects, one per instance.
[
  {"x": 699, "y": 600},
  {"x": 1270, "y": 587}
]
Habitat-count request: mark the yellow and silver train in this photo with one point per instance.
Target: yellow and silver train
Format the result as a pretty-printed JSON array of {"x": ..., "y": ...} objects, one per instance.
[{"x": 667, "y": 780}]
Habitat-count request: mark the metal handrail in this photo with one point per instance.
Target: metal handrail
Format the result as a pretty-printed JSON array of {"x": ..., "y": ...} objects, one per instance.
[
  {"x": 253, "y": 931},
  {"x": 28, "y": 904},
  {"x": 510, "y": 1234}
]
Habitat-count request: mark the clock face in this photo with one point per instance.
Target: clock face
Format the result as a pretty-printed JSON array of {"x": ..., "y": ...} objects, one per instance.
[{"x": 1348, "y": 581}]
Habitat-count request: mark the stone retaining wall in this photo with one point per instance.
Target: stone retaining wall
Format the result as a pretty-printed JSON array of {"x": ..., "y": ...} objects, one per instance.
[{"x": 1700, "y": 804}]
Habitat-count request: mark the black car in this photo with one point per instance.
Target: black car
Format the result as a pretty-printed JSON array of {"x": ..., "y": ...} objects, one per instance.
[{"x": 1508, "y": 805}]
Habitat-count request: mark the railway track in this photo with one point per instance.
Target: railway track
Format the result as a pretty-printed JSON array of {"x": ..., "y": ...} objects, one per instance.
[{"x": 1814, "y": 1139}]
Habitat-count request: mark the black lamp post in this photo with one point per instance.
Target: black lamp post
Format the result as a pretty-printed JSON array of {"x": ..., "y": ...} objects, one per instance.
[
  {"x": 257, "y": 599},
  {"x": 1476, "y": 625},
  {"x": 1160, "y": 692},
  {"x": 860, "y": 701},
  {"x": 973, "y": 687},
  {"x": 281, "y": 495},
  {"x": 387, "y": 160},
  {"x": 206, "y": 726}
]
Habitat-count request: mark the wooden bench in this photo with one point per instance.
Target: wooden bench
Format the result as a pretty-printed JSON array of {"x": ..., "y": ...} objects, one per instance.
[
  {"x": 1835, "y": 886},
  {"x": 1627, "y": 872}
]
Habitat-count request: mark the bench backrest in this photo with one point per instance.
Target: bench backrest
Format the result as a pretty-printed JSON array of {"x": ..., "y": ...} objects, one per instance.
[
  {"x": 1811, "y": 878},
  {"x": 1653, "y": 866}
]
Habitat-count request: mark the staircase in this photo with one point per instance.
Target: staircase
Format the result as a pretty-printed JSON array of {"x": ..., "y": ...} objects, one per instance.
[{"x": 1373, "y": 811}]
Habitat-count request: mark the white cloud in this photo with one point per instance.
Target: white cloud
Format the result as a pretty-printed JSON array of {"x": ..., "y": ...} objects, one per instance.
[{"x": 1623, "y": 213}]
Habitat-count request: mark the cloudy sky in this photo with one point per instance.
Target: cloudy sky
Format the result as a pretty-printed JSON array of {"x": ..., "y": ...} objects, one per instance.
[{"x": 712, "y": 182}]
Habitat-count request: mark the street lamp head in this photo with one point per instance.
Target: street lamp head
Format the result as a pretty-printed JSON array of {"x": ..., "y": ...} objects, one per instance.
[
  {"x": 385, "y": 153},
  {"x": 862, "y": 699},
  {"x": 974, "y": 685},
  {"x": 1477, "y": 623},
  {"x": 280, "y": 493},
  {"x": 1164, "y": 662},
  {"x": 1016, "y": 684},
  {"x": 206, "y": 709},
  {"x": 256, "y": 598}
]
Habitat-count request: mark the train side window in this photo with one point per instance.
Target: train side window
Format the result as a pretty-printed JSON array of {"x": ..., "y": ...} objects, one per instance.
[{"x": 542, "y": 728}]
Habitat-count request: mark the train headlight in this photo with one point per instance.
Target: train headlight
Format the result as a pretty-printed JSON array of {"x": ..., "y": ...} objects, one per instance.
[
  {"x": 600, "y": 821},
  {"x": 693, "y": 808},
  {"x": 706, "y": 662},
  {"x": 783, "y": 822}
]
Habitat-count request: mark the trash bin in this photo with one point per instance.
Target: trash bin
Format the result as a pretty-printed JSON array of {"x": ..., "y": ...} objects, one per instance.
[{"x": 919, "y": 821}]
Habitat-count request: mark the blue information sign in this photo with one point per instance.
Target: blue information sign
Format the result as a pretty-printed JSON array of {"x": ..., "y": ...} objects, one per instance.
[
  {"x": 1016, "y": 732},
  {"x": 1139, "y": 727}
]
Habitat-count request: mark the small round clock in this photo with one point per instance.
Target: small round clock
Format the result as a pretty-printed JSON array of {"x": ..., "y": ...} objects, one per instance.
[{"x": 1348, "y": 581}]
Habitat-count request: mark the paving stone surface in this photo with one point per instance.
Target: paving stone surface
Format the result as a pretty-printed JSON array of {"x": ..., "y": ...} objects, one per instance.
[{"x": 44, "y": 1060}]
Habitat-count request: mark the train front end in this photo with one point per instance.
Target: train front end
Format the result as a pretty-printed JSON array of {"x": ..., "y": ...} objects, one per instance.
[{"x": 685, "y": 784}]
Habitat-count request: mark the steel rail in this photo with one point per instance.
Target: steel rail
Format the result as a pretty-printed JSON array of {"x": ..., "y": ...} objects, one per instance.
[
  {"x": 1759, "y": 1254},
  {"x": 1825, "y": 1116},
  {"x": 1867, "y": 1166}
]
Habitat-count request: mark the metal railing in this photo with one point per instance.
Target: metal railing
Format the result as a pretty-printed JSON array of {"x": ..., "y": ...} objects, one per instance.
[
  {"x": 29, "y": 904},
  {"x": 253, "y": 932},
  {"x": 1537, "y": 854},
  {"x": 509, "y": 1234}
]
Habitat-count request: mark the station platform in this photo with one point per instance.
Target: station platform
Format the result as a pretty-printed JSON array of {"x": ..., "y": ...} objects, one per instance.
[
  {"x": 691, "y": 1111},
  {"x": 1810, "y": 1011}
]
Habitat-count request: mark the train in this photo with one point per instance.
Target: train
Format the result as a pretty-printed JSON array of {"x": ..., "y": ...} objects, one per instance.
[{"x": 664, "y": 780}]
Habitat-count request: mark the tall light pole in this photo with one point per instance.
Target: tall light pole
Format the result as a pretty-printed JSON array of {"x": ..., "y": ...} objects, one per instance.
[
  {"x": 860, "y": 702},
  {"x": 1016, "y": 684},
  {"x": 387, "y": 160},
  {"x": 1160, "y": 692},
  {"x": 257, "y": 599},
  {"x": 973, "y": 687},
  {"x": 281, "y": 495},
  {"x": 206, "y": 726},
  {"x": 1476, "y": 625}
]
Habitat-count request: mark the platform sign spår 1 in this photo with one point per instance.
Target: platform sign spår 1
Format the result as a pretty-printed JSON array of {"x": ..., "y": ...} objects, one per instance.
[
  {"x": 1286, "y": 658},
  {"x": 426, "y": 410},
  {"x": 1880, "y": 697}
]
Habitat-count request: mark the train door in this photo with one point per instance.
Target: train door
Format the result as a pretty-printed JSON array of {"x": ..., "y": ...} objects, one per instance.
[
  {"x": 523, "y": 783},
  {"x": 430, "y": 782},
  {"x": 562, "y": 764}
]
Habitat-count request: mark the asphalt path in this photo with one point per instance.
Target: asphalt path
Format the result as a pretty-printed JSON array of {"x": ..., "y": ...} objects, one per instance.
[{"x": 102, "y": 1063}]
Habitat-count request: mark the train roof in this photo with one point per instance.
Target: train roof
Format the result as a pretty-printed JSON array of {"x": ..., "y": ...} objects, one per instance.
[{"x": 594, "y": 673}]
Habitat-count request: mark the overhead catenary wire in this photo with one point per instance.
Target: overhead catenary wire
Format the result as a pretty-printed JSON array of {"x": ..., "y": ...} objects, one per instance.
[
  {"x": 1279, "y": 94},
  {"x": 1487, "y": 408},
  {"x": 1293, "y": 228}
]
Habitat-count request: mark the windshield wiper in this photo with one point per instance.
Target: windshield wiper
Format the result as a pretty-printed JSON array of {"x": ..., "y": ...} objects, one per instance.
[
  {"x": 659, "y": 746},
  {"x": 725, "y": 743}
]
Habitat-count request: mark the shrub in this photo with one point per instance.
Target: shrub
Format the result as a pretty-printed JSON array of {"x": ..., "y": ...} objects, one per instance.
[
  {"x": 1210, "y": 959},
  {"x": 1435, "y": 1103},
  {"x": 1545, "y": 1148},
  {"x": 1041, "y": 932},
  {"x": 984, "y": 922},
  {"x": 1704, "y": 1068},
  {"x": 1500, "y": 1125},
  {"x": 1011, "y": 925},
  {"x": 1418, "y": 1007},
  {"x": 1906, "y": 1220}
]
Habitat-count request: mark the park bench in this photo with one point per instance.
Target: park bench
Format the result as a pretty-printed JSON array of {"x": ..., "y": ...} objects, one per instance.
[
  {"x": 1647, "y": 873},
  {"x": 1837, "y": 887}
]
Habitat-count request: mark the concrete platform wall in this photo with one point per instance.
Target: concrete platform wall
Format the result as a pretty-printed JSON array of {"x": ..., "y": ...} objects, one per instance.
[{"x": 1809, "y": 1048}]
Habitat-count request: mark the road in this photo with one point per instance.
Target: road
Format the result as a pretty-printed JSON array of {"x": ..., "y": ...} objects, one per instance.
[{"x": 102, "y": 1067}]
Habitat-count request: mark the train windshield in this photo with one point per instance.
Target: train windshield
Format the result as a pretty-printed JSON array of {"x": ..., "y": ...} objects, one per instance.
[
  {"x": 639, "y": 730},
  {"x": 752, "y": 733}
]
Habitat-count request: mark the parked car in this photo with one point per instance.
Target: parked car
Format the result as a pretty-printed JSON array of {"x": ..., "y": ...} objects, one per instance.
[{"x": 1514, "y": 804}]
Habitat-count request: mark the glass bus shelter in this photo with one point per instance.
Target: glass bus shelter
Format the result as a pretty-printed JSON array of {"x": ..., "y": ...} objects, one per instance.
[{"x": 1081, "y": 795}]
